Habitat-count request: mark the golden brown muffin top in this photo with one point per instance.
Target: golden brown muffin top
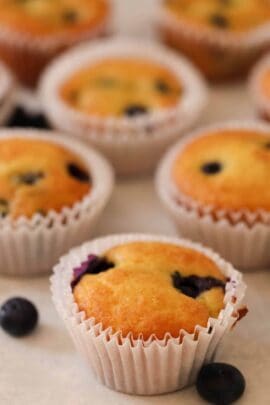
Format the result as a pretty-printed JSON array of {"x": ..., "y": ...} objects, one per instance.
[
  {"x": 49, "y": 17},
  {"x": 37, "y": 176},
  {"x": 149, "y": 288},
  {"x": 121, "y": 87},
  {"x": 231, "y": 15},
  {"x": 227, "y": 169}
]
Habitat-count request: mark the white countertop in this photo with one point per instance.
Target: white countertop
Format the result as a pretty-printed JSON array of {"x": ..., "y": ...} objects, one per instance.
[{"x": 44, "y": 369}]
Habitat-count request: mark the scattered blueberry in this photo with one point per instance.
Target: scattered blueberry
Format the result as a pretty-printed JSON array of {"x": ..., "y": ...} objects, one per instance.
[
  {"x": 135, "y": 109},
  {"x": 3, "y": 207},
  {"x": 18, "y": 316},
  {"x": 70, "y": 16},
  {"x": 193, "y": 286},
  {"x": 162, "y": 86},
  {"x": 211, "y": 168},
  {"x": 219, "y": 20},
  {"x": 79, "y": 174},
  {"x": 21, "y": 118},
  {"x": 220, "y": 383},
  {"x": 29, "y": 178},
  {"x": 93, "y": 265}
]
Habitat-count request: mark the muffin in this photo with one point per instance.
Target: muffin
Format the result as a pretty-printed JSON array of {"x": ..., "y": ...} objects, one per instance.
[
  {"x": 33, "y": 32},
  {"x": 126, "y": 98},
  {"x": 215, "y": 186},
  {"x": 7, "y": 88},
  {"x": 223, "y": 38},
  {"x": 160, "y": 303},
  {"x": 259, "y": 84},
  {"x": 52, "y": 191}
]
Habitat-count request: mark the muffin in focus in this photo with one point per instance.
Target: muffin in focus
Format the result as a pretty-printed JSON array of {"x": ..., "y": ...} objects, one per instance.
[
  {"x": 174, "y": 289},
  {"x": 223, "y": 38},
  {"x": 159, "y": 303},
  {"x": 33, "y": 32}
]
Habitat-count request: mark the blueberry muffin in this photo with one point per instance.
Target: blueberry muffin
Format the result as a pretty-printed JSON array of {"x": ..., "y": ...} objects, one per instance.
[
  {"x": 215, "y": 187},
  {"x": 217, "y": 35},
  {"x": 122, "y": 87},
  {"x": 226, "y": 170},
  {"x": 38, "y": 176},
  {"x": 124, "y": 97},
  {"x": 36, "y": 30},
  {"x": 149, "y": 288}
]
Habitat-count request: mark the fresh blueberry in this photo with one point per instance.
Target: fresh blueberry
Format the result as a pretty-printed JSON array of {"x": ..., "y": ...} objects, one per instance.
[
  {"x": 193, "y": 286},
  {"x": 29, "y": 178},
  {"x": 219, "y": 20},
  {"x": 135, "y": 109},
  {"x": 21, "y": 118},
  {"x": 220, "y": 384},
  {"x": 78, "y": 173},
  {"x": 18, "y": 316},
  {"x": 211, "y": 168}
]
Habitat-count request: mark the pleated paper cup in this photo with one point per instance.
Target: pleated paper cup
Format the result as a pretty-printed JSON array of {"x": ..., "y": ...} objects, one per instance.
[
  {"x": 260, "y": 99},
  {"x": 7, "y": 91},
  {"x": 220, "y": 54},
  {"x": 242, "y": 236},
  {"x": 32, "y": 246},
  {"x": 27, "y": 55},
  {"x": 132, "y": 144},
  {"x": 137, "y": 366}
]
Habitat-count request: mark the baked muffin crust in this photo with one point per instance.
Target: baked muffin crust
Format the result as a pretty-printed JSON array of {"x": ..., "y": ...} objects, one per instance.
[
  {"x": 121, "y": 87},
  {"x": 147, "y": 288},
  {"x": 232, "y": 15},
  {"x": 37, "y": 176},
  {"x": 226, "y": 169}
]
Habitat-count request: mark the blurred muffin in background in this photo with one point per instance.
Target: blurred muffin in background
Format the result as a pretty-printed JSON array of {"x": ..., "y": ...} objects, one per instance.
[
  {"x": 224, "y": 38},
  {"x": 259, "y": 84},
  {"x": 129, "y": 99},
  {"x": 32, "y": 32}
]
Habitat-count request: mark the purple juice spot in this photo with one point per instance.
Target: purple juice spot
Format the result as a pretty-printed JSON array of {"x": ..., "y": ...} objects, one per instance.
[{"x": 93, "y": 265}]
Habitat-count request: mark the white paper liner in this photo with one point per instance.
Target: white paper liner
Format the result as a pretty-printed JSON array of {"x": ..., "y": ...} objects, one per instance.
[
  {"x": 32, "y": 246},
  {"x": 136, "y": 366},
  {"x": 7, "y": 89},
  {"x": 241, "y": 49},
  {"x": 242, "y": 236},
  {"x": 262, "y": 102},
  {"x": 135, "y": 144}
]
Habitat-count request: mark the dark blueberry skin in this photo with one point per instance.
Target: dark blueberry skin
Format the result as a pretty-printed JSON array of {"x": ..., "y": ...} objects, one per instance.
[
  {"x": 29, "y": 178},
  {"x": 219, "y": 21},
  {"x": 135, "y": 110},
  {"x": 21, "y": 118},
  {"x": 220, "y": 384},
  {"x": 94, "y": 265},
  {"x": 18, "y": 316},
  {"x": 193, "y": 286},
  {"x": 78, "y": 173},
  {"x": 211, "y": 168}
]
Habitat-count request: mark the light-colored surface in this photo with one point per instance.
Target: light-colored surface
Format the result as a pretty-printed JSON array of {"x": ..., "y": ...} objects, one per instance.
[{"x": 44, "y": 369}]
